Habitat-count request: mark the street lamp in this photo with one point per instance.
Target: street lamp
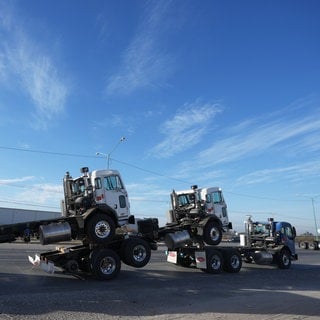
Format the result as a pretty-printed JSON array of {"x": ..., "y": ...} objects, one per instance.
[
  {"x": 313, "y": 210},
  {"x": 109, "y": 154},
  {"x": 315, "y": 219}
]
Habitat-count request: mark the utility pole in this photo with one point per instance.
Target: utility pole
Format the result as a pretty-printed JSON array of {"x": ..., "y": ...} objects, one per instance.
[
  {"x": 312, "y": 197},
  {"x": 315, "y": 219}
]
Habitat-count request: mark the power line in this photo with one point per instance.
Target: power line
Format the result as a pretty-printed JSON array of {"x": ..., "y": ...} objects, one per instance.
[
  {"x": 48, "y": 152},
  {"x": 144, "y": 170}
]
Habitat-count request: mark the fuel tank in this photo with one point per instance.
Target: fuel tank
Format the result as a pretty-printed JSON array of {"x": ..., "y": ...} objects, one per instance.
[
  {"x": 177, "y": 239},
  {"x": 54, "y": 232},
  {"x": 262, "y": 257}
]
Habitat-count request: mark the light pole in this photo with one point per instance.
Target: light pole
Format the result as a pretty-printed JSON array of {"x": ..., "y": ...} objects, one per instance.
[
  {"x": 112, "y": 150},
  {"x": 315, "y": 219},
  {"x": 313, "y": 210}
]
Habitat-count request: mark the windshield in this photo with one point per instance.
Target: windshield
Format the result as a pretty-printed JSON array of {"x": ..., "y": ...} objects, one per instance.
[
  {"x": 185, "y": 199},
  {"x": 78, "y": 186}
]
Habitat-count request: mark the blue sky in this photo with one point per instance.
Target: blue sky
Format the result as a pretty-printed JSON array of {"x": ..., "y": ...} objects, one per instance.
[{"x": 214, "y": 93}]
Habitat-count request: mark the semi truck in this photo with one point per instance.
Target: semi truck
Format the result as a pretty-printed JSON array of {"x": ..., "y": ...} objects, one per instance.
[
  {"x": 268, "y": 242},
  {"x": 201, "y": 212},
  {"x": 309, "y": 242},
  {"x": 96, "y": 212}
]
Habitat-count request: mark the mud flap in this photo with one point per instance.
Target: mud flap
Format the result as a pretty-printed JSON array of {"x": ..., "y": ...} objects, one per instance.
[
  {"x": 201, "y": 260},
  {"x": 172, "y": 257}
]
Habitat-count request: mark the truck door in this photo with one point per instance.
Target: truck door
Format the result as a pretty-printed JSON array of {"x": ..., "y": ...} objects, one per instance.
[
  {"x": 215, "y": 203},
  {"x": 113, "y": 193},
  {"x": 287, "y": 235}
]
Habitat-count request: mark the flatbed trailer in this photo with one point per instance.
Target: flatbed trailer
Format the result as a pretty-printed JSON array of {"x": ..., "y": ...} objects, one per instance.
[{"x": 101, "y": 261}]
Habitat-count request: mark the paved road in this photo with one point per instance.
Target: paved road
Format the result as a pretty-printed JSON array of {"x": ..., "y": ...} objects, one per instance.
[{"x": 159, "y": 291}]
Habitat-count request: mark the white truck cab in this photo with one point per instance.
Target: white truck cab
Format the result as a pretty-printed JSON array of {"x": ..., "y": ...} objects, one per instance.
[
  {"x": 214, "y": 203},
  {"x": 210, "y": 198},
  {"x": 109, "y": 189},
  {"x": 102, "y": 189}
]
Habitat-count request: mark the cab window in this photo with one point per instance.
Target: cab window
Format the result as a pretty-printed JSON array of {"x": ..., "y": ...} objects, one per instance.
[
  {"x": 288, "y": 232},
  {"x": 217, "y": 197},
  {"x": 112, "y": 183},
  {"x": 97, "y": 183}
]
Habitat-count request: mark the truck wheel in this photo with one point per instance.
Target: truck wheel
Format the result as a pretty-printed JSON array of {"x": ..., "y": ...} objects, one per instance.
[
  {"x": 232, "y": 261},
  {"x": 135, "y": 252},
  {"x": 100, "y": 228},
  {"x": 303, "y": 245},
  {"x": 184, "y": 262},
  {"x": 313, "y": 245},
  {"x": 214, "y": 262},
  {"x": 105, "y": 264},
  {"x": 283, "y": 259},
  {"x": 212, "y": 233},
  {"x": 71, "y": 266}
]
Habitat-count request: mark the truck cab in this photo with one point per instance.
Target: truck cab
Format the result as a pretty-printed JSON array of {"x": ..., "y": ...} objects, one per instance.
[
  {"x": 214, "y": 203},
  {"x": 103, "y": 189},
  {"x": 109, "y": 190},
  {"x": 210, "y": 200},
  {"x": 269, "y": 242},
  {"x": 286, "y": 235}
]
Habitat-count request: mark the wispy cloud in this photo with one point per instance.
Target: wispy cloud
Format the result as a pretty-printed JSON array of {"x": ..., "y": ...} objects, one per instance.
[
  {"x": 185, "y": 129},
  {"x": 260, "y": 135},
  {"x": 15, "y": 180},
  {"x": 295, "y": 173},
  {"x": 44, "y": 193},
  {"x": 144, "y": 63},
  {"x": 289, "y": 135},
  {"x": 26, "y": 66}
]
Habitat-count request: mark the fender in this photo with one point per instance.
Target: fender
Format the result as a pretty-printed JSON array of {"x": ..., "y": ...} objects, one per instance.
[
  {"x": 204, "y": 221},
  {"x": 99, "y": 208}
]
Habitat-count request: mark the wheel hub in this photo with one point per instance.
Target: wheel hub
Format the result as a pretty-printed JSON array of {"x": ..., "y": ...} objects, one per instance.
[{"x": 102, "y": 229}]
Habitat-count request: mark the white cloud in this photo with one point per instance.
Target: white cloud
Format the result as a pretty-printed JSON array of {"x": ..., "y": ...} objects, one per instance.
[
  {"x": 143, "y": 63},
  {"x": 27, "y": 67},
  {"x": 42, "y": 194},
  {"x": 298, "y": 172},
  {"x": 15, "y": 180},
  {"x": 260, "y": 135},
  {"x": 185, "y": 129},
  {"x": 289, "y": 135}
]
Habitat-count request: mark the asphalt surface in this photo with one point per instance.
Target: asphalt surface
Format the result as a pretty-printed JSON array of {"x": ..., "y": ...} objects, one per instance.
[{"x": 159, "y": 291}]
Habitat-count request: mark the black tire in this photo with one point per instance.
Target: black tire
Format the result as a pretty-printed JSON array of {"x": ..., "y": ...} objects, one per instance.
[
  {"x": 303, "y": 245},
  {"x": 214, "y": 262},
  {"x": 135, "y": 252},
  {"x": 71, "y": 266},
  {"x": 105, "y": 264},
  {"x": 100, "y": 228},
  {"x": 232, "y": 261},
  {"x": 283, "y": 259},
  {"x": 314, "y": 245},
  {"x": 212, "y": 233},
  {"x": 185, "y": 262}
]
